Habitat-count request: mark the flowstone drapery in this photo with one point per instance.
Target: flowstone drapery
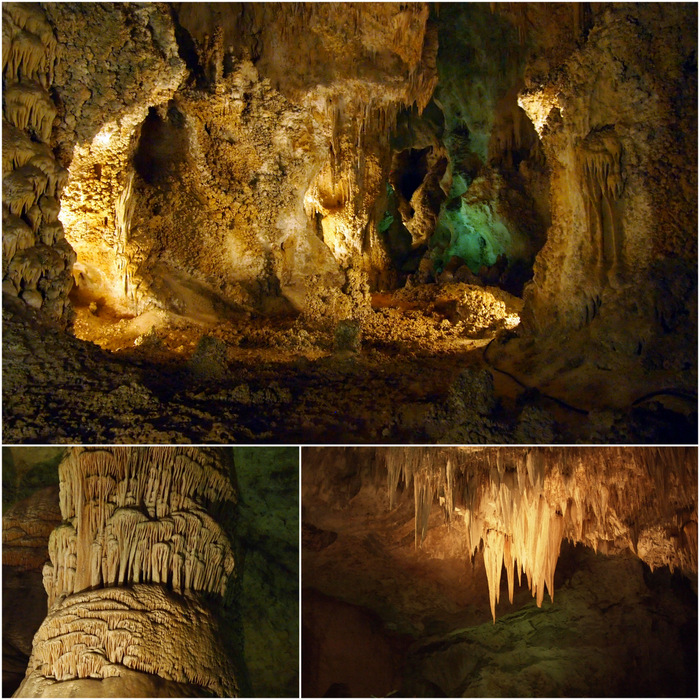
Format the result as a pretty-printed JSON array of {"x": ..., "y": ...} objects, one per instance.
[
  {"x": 36, "y": 258},
  {"x": 138, "y": 566}
]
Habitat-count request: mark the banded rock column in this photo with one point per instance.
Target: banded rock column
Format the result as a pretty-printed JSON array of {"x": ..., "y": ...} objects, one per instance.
[{"x": 137, "y": 571}]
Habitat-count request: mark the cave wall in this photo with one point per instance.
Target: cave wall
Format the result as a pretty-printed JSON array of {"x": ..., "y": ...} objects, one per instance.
[
  {"x": 239, "y": 156},
  {"x": 288, "y": 131},
  {"x": 618, "y": 122},
  {"x": 207, "y": 169},
  {"x": 115, "y": 61},
  {"x": 37, "y": 259}
]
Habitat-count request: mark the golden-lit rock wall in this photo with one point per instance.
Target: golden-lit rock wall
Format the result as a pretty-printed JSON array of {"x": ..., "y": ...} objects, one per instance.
[
  {"x": 114, "y": 61},
  {"x": 285, "y": 127},
  {"x": 37, "y": 259},
  {"x": 615, "y": 107}
]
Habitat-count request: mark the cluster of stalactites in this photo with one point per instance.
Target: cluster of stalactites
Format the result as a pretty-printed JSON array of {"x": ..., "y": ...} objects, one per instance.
[
  {"x": 391, "y": 27},
  {"x": 600, "y": 156},
  {"x": 519, "y": 503},
  {"x": 140, "y": 515},
  {"x": 36, "y": 259}
]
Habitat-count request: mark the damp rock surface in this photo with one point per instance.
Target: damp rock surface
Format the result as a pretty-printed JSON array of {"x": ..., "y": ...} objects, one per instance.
[{"x": 437, "y": 178}]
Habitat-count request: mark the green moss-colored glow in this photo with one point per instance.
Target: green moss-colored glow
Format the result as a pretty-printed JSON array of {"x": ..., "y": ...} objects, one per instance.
[
  {"x": 471, "y": 233},
  {"x": 386, "y": 222}
]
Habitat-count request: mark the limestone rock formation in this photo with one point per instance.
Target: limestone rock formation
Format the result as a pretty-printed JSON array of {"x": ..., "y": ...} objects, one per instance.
[
  {"x": 276, "y": 172},
  {"x": 26, "y": 527},
  {"x": 605, "y": 132},
  {"x": 519, "y": 504},
  {"x": 407, "y": 546},
  {"x": 143, "y": 552},
  {"x": 37, "y": 260},
  {"x": 265, "y": 592}
]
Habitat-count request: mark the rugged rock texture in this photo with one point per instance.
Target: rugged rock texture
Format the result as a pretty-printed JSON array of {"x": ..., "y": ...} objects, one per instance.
[
  {"x": 618, "y": 124},
  {"x": 283, "y": 174},
  {"x": 26, "y": 526},
  {"x": 36, "y": 258},
  {"x": 420, "y": 584},
  {"x": 116, "y": 60},
  {"x": 263, "y": 615},
  {"x": 138, "y": 549}
]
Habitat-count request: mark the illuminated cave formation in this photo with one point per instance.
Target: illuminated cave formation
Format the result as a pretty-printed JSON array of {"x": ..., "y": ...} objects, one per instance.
[
  {"x": 403, "y": 558},
  {"x": 149, "y": 592},
  {"x": 302, "y": 197},
  {"x": 130, "y": 566}
]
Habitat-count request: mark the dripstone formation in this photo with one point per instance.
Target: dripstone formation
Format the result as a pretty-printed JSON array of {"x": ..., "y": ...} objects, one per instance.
[
  {"x": 409, "y": 555},
  {"x": 262, "y": 177},
  {"x": 140, "y": 571}
]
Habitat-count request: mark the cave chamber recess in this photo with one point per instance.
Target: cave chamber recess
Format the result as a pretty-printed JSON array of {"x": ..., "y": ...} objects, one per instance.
[{"x": 297, "y": 183}]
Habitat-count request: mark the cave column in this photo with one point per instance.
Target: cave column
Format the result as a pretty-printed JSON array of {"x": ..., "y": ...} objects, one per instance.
[{"x": 139, "y": 578}]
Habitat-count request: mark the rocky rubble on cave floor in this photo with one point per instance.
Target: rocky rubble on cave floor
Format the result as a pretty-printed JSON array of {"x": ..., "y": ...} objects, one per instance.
[
  {"x": 412, "y": 370},
  {"x": 611, "y": 624}
]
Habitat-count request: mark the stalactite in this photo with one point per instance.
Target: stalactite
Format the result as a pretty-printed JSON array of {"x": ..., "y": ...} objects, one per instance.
[
  {"x": 51, "y": 232},
  {"x": 16, "y": 236},
  {"x": 520, "y": 503},
  {"x": 56, "y": 175},
  {"x": 105, "y": 491},
  {"x": 29, "y": 106},
  {"x": 600, "y": 162}
]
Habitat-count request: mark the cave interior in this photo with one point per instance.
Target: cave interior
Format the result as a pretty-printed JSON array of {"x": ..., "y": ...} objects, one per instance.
[
  {"x": 499, "y": 572},
  {"x": 150, "y": 571},
  {"x": 354, "y": 222}
]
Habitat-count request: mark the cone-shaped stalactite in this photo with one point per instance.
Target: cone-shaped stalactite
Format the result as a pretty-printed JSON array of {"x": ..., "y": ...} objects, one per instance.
[
  {"x": 137, "y": 566},
  {"x": 520, "y": 503}
]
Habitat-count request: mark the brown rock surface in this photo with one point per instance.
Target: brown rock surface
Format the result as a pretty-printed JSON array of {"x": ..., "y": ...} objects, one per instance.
[{"x": 260, "y": 170}]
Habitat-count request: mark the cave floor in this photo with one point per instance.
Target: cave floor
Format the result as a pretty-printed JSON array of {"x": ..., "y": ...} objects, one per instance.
[{"x": 419, "y": 376}]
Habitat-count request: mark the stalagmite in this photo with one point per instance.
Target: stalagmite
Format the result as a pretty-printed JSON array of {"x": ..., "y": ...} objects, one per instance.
[
  {"x": 116, "y": 586},
  {"x": 520, "y": 503}
]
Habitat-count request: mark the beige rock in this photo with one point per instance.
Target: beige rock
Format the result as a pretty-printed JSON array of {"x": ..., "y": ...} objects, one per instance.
[{"x": 137, "y": 548}]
